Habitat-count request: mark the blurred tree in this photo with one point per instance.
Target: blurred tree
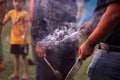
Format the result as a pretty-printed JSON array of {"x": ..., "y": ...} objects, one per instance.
[{"x": 9, "y": 5}]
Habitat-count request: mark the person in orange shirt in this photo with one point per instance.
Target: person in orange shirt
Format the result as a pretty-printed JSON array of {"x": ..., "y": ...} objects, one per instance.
[{"x": 19, "y": 40}]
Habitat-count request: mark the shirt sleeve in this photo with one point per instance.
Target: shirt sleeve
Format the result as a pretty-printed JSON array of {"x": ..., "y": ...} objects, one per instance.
[{"x": 111, "y": 1}]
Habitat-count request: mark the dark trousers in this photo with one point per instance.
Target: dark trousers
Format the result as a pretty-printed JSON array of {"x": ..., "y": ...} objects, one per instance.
[{"x": 61, "y": 57}]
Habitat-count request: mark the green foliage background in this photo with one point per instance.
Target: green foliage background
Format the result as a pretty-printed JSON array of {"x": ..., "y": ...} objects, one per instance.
[{"x": 81, "y": 75}]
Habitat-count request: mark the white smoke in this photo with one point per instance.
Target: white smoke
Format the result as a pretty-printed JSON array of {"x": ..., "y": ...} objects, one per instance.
[{"x": 64, "y": 34}]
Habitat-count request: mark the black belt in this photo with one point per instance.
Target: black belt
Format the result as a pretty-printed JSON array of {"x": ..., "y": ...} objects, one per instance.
[{"x": 109, "y": 47}]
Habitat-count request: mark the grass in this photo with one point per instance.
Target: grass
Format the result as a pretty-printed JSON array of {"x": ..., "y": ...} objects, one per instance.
[
  {"x": 9, "y": 58},
  {"x": 81, "y": 75}
]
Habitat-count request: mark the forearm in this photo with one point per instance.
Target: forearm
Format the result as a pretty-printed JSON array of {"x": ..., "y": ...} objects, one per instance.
[
  {"x": 108, "y": 22},
  {"x": 5, "y": 21},
  {"x": 31, "y": 8},
  {"x": 25, "y": 34},
  {"x": 2, "y": 24}
]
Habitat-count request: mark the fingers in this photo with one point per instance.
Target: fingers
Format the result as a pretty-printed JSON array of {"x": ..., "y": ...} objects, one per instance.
[
  {"x": 22, "y": 44},
  {"x": 41, "y": 52},
  {"x": 82, "y": 27},
  {"x": 81, "y": 55},
  {"x": 85, "y": 28}
]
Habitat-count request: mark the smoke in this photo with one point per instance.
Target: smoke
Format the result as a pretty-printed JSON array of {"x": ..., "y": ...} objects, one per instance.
[
  {"x": 60, "y": 18},
  {"x": 66, "y": 33}
]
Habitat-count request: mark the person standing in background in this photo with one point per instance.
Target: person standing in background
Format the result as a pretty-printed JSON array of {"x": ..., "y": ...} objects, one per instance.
[
  {"x": 2, "y": 13},
  {"x": 19, "y": 39},
  {"x": 46, "y": 16}
]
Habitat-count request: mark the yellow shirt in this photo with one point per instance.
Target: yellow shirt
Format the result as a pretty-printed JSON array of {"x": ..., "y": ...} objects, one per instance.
[{"x": 19, "y": 20}]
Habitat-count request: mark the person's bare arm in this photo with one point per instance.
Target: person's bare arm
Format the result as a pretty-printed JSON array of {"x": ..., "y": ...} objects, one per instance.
[
  {"x": 24, "y": 36},
  {"x": 2, "y": 13},
  {"x": 31, "y": 9},
  {"x": 5, "y": 20},
  {"x": 41, "y": 52},
  {"x": 107, "y": 23}
]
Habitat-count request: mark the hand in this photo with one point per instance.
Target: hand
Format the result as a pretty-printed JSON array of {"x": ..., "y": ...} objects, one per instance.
[
  {"x": 22, "y": 44},
  {"x": 86, "y": 28},
  {"x": 41, "y": 51},
  {"x": 24, "y": 40},
  {"x": 85, "y": 50}
]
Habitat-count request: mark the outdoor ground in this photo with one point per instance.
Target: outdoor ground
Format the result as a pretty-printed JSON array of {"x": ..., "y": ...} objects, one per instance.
[{"x": 81, "y": 75}]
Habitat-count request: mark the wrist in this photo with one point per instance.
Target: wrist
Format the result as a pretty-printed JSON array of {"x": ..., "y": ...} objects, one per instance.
[
  {"x": 91, "y": 43},
  {"x": 23, "y": 36}
]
